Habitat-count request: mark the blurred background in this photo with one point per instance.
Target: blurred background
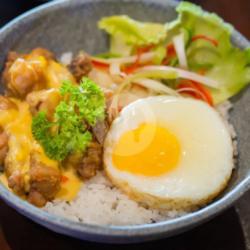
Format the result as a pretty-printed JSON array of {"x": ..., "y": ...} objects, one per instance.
[{"x": 236, "y": 12}]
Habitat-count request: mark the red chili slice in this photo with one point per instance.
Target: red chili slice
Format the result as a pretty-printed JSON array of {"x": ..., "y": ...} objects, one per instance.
[
  {"x": 100, "y": 65},
  {"x": 206, "y": 38},
  {"x": 170, "y": 53},
  {"x": 139, "y": 51},
  {"x": 200, "y": 92}
]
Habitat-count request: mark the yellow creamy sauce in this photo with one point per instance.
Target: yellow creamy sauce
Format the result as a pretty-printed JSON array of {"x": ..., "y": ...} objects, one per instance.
[
  {"x": 56, "y": 74},
  {"x": 17, "y": 124},
  {"x": 70, "y": 185}
]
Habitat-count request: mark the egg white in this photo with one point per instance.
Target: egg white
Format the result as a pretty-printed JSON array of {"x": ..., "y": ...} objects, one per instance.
[{"x": 206, "y": 160}]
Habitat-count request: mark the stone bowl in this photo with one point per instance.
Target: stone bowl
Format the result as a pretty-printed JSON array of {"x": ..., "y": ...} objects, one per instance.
[{"x": 63, "y": 26}]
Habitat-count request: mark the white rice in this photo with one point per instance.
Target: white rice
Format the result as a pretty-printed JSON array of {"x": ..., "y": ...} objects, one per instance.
[
  {"x": 99, "y": 202},
  {"x": 224, "y": 110}
]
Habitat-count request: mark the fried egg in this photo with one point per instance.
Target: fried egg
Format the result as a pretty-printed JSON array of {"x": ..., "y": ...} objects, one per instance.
[{"x": 169, "y": 152}]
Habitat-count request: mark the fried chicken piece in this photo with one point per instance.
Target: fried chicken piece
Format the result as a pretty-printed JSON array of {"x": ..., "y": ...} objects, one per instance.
[
  {"x": 91, "y": 161},
  {"x": 37, "y": 70},
  {"x": 88, "y": 163},
  {"x": 5, "y": 104},
  {"x": 16, "y": 182},
  {"x": 25, "y": 164},
  {"x": 44, "y": 182},
  {"x": 10, "y": 59},
  {"x": 40, "y": 182},
  {"x": 23, "y": 75},
  {"x": 42, "y": 52},
  {"x": 80, "y": 66},
  {"x": 44, "y": 100}
]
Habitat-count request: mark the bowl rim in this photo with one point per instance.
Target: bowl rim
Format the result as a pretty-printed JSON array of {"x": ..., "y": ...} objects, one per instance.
[{"x": 169, "y": 226}]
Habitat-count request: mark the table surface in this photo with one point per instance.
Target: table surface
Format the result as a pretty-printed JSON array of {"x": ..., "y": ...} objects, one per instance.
[{"x": 228, "y": 231}]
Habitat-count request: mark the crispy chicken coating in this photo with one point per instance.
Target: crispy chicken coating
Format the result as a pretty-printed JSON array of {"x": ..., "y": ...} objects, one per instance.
[
  {"x": 24, "y": 73},
  {"x": 44, "y": 181},
  {"x": 44, "y": 100},
  {"x": 87, "y": 164},
  {"x": 5, "y": 104},
  {"x": 80, "y": 66}
]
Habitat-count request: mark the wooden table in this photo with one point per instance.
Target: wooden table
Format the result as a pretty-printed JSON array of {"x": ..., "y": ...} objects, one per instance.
[{"x": 222, "y": 233}]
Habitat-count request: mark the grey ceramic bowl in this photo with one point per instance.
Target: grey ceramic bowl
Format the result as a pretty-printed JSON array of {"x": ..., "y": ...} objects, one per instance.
[{"x": 71, "y": 26}]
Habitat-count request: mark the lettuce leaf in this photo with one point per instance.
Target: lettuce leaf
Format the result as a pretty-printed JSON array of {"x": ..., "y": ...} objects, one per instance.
[
  {"x": 133, "y": 32},
  {"x": 225, "y": 63},
  {"x": 160, "y": 53},
  {"x": 196, "y": 21},
  {"x": 118, "y": 46},
  {"x": 232, "y": 71}
]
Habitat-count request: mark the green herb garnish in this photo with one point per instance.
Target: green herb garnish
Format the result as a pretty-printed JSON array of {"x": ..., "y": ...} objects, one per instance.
[{"x": 82, "y": 106}]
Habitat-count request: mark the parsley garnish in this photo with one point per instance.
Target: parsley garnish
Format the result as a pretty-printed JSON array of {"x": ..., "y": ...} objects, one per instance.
[{"x": 82, "y": 106}]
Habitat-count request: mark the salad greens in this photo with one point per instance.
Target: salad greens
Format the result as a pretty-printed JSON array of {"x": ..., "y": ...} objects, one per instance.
[
  {"x": 126, "y": 32},
  {"x": 82, "y": 106},
  {"x": 206, "y": 39},
  {"x": 119, "y": 46},
  {"x": 224, "y": 63}
]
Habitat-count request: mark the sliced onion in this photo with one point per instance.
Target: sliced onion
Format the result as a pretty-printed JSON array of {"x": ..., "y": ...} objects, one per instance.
[
  {"x": 196, "y": 91},
  {"x": 115, "y": 69},
  {"x": 102, "y": 78},
  {"x": 66, "y": 58},
  {"x": 156, "y": 86},
  {"x": 150, "y": 84},
  {"x": 181, "y": 74},
  {"x": 145, "y": 57},
  {"x": 179, "y": 46}
]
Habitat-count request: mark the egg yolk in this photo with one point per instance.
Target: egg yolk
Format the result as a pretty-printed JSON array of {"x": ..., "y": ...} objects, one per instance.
[{"x": 149, "y": 150}]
